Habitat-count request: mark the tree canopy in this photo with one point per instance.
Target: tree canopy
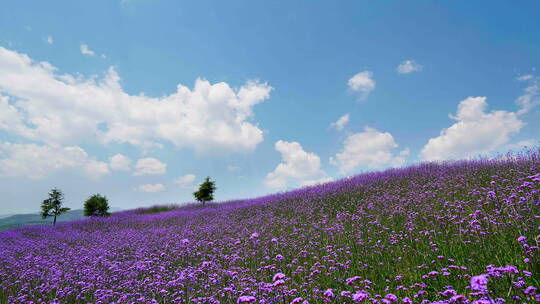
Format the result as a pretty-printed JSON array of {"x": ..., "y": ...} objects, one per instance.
[
  {"x": 206, "y": 191},
  {"x": 96, "y": 205},
  {"x": 52, "y": 206}
]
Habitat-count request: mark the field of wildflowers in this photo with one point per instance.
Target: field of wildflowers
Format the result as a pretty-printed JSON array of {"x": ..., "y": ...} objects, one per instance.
[{"x": 462, "y": 232}]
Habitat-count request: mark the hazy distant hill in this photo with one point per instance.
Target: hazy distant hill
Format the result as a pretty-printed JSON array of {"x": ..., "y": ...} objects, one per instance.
[{"x": 17, "y": 220}]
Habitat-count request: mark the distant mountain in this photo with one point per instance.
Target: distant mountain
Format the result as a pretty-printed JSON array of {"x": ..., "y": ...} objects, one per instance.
[{"x": 16, "y": 220}]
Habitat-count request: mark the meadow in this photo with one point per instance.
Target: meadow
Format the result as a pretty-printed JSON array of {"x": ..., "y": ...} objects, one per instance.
[{"x": 454, "y": 232}]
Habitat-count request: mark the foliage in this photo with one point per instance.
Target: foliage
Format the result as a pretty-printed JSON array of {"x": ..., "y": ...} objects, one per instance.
[
  {"x": 463, "y": 232},
  {"x": 156, "y": 209},
  {"x": 206, "y": 191},
  {"x": 96, "y": 205},
  {"x": 52, "y": 206}
]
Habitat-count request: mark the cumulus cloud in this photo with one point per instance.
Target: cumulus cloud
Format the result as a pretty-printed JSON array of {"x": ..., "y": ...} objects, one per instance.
[
  {"x": 9, "y": 116},
  {"x": 408, "y": 66},
  {"x": 362, "y": 83},
  {"x": 475, "y": 131},
  {"x": 85, "y": 50},
  {"x": 38, "y": 161},
  {"x": 371, "y": 148},
  {"x": 151, "y": 188},
  {"x": 149, "y": 166},
  {"x": 296, "y": 165},
  {"x": 120, "y": 162},
  {"x": 341, "y": 122},
  {"x": 96, "y": 169},
  {"x": 186, "y": 181},
  {"x": 50, "y": 39},
  {"x": 63, "y": 109}
]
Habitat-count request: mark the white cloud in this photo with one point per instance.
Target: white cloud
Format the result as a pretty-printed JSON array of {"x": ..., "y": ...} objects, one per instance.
[
  {"x": 50, "y": 39},
  {"x": 149, "y": 166},
  {"x": 362, "y": 83},
  {"x": 63, "y": 109},
  {"x": 408, "y": 66},
  {"x": 151, "y": 188},
  {"x": 9, "y": 116},
  {"x": 314, "y": 182},
  {"x": 296, "y": 165},
  {"x": 38, "y": 161},
  {"x": 86, "y": 51},
  {"x": 371, "y": 148},
  {"x": 186, "y": 181},
  {"x": 405, "y": 152},
  {"x": 529, "y": 99},
  {"x": 96, "y": 169},
  {"x": 120, "y": 162},
  {"x": 525, "y": 77},
  {"x": 474, "y": 132},
  {"x": 341, "y": 122},
  {"x": 527, "y": 143}
]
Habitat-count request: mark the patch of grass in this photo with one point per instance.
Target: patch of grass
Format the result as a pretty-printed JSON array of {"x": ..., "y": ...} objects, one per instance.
[{"x": 156, "y": 209}]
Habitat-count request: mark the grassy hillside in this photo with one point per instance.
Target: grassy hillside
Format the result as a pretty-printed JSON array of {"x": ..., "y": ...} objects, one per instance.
[
  {"x": 18, "y": 220},
  {"x": 465, "y": 232}
]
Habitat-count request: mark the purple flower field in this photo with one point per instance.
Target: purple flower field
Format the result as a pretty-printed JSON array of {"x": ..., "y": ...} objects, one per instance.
[{"x": 462, "y": 232}]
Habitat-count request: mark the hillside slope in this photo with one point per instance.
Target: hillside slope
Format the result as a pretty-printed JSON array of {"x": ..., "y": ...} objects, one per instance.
[
  {"x": 455, "y": 233},
  {"x": 17, "y": 220}
]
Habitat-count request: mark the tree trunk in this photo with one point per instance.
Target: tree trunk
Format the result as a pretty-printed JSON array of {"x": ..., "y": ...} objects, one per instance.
[{"x": 54, "y": 223}]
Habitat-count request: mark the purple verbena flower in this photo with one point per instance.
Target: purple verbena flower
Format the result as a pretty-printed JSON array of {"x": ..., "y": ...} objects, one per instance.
[
  {"x": 479, "y": 282},
  {"x": 360, "y": 296},
  {"x": 329, "y": 293},
  {"x": 296, "y": 300},
  {"x": 246, "y": 299},
  {"x": 279, "y": 276}
]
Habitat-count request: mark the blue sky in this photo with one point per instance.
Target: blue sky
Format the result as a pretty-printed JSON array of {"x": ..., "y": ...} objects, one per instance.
[{"x": 140, "y": 100}]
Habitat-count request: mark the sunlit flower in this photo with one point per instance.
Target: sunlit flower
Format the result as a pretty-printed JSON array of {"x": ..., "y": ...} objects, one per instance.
[
  {"x": 279, "y": 276},
  {"x": 246, "y": 299},
  {"x": 479, "y": 282},
  {"x": 329, "y": 293}
]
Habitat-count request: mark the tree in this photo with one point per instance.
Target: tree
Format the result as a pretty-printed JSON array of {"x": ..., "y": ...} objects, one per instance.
[
  {"x": 96, "y": 205},
  {"x": 53, "y": 205},
  {"x": 206, "y": 191}
]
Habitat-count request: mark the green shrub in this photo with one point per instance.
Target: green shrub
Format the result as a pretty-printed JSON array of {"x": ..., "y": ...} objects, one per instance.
[
  {"x": 96, "y": 205},
  {"x": 155, "y": 209}
]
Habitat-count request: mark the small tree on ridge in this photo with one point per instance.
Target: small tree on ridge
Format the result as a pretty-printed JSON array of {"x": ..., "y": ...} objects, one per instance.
[
  {"x": 96, "y": 205},
  {"x": 52, "y": 206},
  {"x": 206, "y": 191}
]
